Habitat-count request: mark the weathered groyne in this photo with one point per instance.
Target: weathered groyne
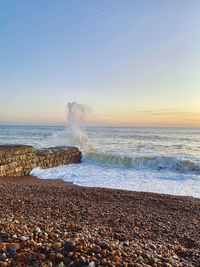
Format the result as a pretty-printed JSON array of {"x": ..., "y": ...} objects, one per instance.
[{"x": 19, "y": 160}]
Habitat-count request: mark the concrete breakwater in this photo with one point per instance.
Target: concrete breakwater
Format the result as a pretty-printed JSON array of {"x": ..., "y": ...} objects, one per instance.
[{"x": 19, "y": 160}]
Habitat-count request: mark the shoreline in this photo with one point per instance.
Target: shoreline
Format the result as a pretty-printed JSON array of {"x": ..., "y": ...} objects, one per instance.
[
  {"x": 31, "y": 179},
  {"x": 108, "y": 227}
]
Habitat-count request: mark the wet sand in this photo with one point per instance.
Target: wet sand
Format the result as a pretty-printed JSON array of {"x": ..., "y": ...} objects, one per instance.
[{"x": 52, "y": 223}]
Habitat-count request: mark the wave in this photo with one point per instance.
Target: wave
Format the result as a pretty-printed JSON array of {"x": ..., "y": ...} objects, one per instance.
[{"x": 157, "y": 162}]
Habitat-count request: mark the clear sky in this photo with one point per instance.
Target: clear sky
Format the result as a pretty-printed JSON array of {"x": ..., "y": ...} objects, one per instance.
[{"x": 134, "y": 62}]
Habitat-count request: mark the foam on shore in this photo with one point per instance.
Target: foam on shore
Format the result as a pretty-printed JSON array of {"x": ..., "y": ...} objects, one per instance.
[{"x": 91, "y": 175}]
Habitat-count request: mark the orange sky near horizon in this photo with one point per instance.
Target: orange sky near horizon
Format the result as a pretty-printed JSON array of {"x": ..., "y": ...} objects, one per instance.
[
  {"x": 154, "y": 118},
  {"x": 149, "y": 118}
]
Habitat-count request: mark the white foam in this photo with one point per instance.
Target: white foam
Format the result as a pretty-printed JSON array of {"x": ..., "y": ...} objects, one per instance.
[{"x": 91, "y": 175}]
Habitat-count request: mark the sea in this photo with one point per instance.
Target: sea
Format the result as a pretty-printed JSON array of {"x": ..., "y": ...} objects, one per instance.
[{"x": 160, "y": 160}]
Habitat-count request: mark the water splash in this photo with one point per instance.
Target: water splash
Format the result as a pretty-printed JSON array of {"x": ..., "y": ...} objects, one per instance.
[
  {"x": 73, "y": 135},
  {"x": 76, "y": 113}
]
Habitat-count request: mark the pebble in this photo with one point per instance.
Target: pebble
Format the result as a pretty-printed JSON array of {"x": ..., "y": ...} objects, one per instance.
[
  {"x": 37, "y": 230},
  {"x": 103, "y": 245},
  {"x": 57, "y": 245},
  {"x": 72, "y": 264},
  {"x": 69, "y": 245},
  {"x": 59, "y": 256},
  {"x": 12, "y": 251},
  {"x": 41, "y": 256},
  {"x": 24, "y": 238},
  {"x": 126, "y": 244},
  {"x": 3, "y": 256},
  {"x": 91, "y": 264}
]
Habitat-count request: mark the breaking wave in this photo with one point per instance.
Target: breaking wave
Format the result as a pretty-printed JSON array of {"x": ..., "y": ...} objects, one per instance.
[{"x": 157, "y": 162}]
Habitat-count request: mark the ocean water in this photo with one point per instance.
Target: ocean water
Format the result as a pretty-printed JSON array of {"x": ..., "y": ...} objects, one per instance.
[{"x": 162, "y": 160}]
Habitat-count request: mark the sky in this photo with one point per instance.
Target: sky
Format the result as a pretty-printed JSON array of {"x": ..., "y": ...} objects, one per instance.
[{"x": 133, "y": 62}]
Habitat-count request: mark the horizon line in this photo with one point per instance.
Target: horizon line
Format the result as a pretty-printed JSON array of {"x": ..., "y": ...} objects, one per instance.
[{"x": 105, "y": 126}]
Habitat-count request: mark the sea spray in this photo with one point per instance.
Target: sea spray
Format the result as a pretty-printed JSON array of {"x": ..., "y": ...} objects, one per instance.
[
  {"x": 73, "y": 134},
  {"x": 76, "y": 113}
]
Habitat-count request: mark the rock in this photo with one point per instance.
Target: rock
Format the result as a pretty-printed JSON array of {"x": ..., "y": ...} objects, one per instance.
[
  {"x": 4, "y": 237},
  {"x": 82, "y": 260},
  {"x": 55, "y": 156},
  {"x": 152, "y": 261},
  {"x": 116, "y": 258},
  {"x": 24, "y": 238},
  {"x": 152, "y": 246},
  {"x": 16, "y": 160},
  {"x": 37, "y": 230},
  {"x": 19, "y": 160},
  {"x": 96, "y": 249},
  {"x": 57, "y": 245},
  {"x": 126, "y": 244},
  {"x": 66, "y": 260},
  {"x": 15, "y": 246},
  {"x": 59, "y": 256},
  {"x": 69, "y": 245},
  {"x": 91, "y": 264},
  {"x": 104, "y": 253},
  {"x": 165, "y": 260},
  {"x": 4, "y": 264},
  {"x": 52, "y": 256},
  {"x": 145, "y": 255},
  {"x": 165, "y": 264},
  {"x": 12, "y": 251},
  {"x": 3, "y": 256},
  {"x": 103, "y": 245},
  {"x": 41, "y": 256},
  {"x": 72, "y": 264}
]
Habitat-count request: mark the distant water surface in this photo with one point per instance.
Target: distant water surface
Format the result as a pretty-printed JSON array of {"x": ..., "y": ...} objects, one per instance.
[{"x": 163, "y": 160}]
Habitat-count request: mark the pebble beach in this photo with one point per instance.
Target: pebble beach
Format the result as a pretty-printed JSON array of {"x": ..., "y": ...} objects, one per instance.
[
  {"x": 53, "y": 223},
  {"x": 99, "y": 133}
]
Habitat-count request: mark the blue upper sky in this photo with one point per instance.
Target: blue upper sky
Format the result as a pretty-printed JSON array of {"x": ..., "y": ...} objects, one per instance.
[{"x": 134, "y": 62}]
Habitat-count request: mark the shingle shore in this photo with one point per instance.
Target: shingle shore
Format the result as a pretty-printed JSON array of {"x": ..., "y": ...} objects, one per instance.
[{"x": 52, "y": 223}]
